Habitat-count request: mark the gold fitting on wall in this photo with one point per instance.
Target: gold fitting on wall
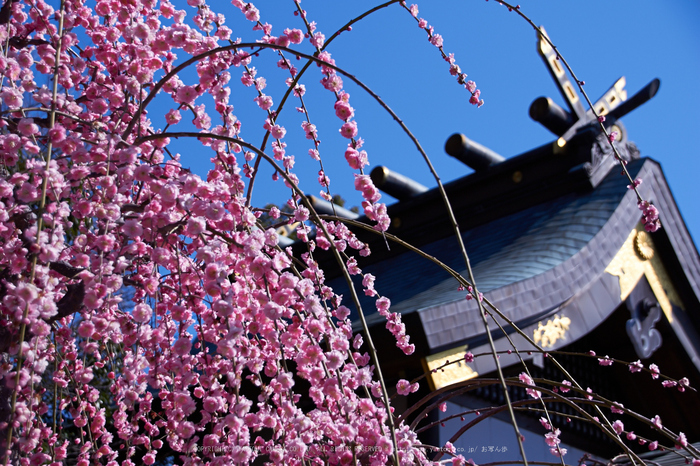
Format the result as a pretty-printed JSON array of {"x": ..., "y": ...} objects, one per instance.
[{"x": 457, "y": 371}]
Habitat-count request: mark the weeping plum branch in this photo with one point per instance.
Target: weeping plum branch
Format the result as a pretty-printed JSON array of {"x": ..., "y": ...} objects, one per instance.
[{"x": 231, "y": 349}]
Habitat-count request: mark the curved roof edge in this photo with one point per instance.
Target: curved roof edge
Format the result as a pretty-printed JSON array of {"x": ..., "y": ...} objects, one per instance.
[{"x": 582, "y": 276}]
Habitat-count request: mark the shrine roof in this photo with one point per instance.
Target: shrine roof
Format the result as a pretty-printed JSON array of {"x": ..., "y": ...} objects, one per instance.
[{"x": 502, "y": 252}]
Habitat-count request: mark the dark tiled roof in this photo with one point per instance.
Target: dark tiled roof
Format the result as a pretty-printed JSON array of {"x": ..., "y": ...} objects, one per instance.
[{"x": 511, "y": 249}]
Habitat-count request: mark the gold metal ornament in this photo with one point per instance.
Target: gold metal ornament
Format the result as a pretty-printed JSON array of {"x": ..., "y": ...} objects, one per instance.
[{"x": 643, "y": 245}]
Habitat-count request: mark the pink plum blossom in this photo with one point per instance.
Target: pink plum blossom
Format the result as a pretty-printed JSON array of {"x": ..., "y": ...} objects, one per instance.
[
  {"x": 617, "y": 408},
  {"x": 142, "y": 313},
  {"x": 558, "y": 451},
  {"x": 27, "y": 127},
  {"x": 186, "y": 94},
  {"x": 636, "y": 366},
  {"x": 606, "y": 361},
  {"x": 526, "y": 379},
  {"x": 552, "y": 438},
  {"x": 618, "y": 427},
  {"x": 654, "y": 369},
  {"x": 343, "y": 110},
  {"x": 264, "y": 102}
]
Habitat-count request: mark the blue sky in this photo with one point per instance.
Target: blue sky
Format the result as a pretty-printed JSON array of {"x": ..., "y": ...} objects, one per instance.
[{"x": 602, "y": 40}]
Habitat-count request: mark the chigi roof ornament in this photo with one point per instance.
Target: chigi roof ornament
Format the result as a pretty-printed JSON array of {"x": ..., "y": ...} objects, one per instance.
[
  {"x": 395, "y": 184},
  {"x": 565, "y": 124},
  {"x": 577, "y": 128},
  {"x": 580, "y": 140},
  {"x": 471, "y": 153}
]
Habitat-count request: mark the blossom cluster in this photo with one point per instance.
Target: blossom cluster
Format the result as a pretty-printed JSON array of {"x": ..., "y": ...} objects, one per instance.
[
  {"x": 454, "y": 69},
  {"x": 526, "y": 379},
  {"x": 146, "y": 308},
  {"x": 552, "y": 438},
  {"x": 650, "y": 216}
]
